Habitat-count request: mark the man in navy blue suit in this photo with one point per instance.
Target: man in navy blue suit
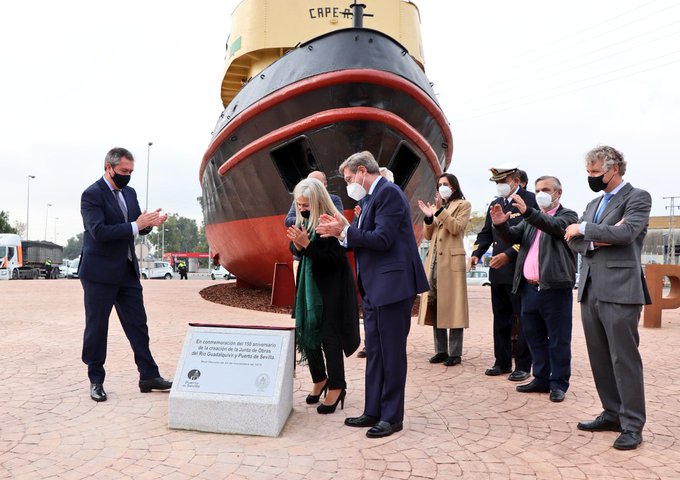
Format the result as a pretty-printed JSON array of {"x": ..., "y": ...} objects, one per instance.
[
  {"x": 390, "y": 274},
  {"x": 109, "y": 271}
]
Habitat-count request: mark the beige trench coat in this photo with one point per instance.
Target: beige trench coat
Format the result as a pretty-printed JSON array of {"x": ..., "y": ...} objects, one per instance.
[{"x": 446, "y": 232}]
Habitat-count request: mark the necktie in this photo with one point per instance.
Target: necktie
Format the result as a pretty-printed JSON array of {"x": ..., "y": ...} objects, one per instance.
[
  {"x": 121, "y": 203},
  {"x": 123, "y": 208},
  {"x": 603, "y": 205}
]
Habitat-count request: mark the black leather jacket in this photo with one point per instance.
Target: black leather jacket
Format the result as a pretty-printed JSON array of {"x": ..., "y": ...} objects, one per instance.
[{"x": 556, "y": 261}]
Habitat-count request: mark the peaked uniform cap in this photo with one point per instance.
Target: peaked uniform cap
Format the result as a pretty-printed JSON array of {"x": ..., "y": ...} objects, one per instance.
[{"x": 502, "y": 171}]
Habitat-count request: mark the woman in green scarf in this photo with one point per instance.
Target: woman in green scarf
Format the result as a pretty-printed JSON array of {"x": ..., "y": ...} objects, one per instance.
[{"x": 326, "y": 311}]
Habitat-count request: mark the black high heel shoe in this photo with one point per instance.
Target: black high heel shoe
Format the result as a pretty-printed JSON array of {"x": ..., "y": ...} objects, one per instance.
[
  {"x": 324, "y": 409},
  {"x": 311, "y": 399}
]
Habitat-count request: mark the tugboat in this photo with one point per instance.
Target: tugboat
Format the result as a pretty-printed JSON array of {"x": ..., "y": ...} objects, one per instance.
[{"x": 306, "y": 85}]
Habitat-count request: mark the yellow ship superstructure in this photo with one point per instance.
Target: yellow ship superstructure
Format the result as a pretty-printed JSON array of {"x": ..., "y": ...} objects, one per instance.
[{"x": 264, "y": 30}]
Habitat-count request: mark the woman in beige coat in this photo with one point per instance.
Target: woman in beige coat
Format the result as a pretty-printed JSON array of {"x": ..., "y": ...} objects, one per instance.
[{"x": 445, "y": 306}]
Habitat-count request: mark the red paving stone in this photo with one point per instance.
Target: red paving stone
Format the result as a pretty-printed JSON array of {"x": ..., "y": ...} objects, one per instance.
[{"x": 459, "y": 423}]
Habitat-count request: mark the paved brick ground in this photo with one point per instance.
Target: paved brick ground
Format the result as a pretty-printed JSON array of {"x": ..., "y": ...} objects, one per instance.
[{"x": 459, "y": 423}]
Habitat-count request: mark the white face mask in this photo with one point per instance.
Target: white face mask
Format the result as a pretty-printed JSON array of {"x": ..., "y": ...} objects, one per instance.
[
  {"x": 544, "y": 200},
  {"x": 356, "y": 191},
  {"x": 503, "y": 189},
  {"x": 445, "y": 192}
]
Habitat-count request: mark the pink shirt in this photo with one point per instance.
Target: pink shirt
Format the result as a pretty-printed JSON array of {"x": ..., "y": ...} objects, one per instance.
[{"x": 531, "y": 262}]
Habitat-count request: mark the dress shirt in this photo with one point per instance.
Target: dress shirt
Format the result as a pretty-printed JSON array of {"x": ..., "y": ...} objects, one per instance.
[{"x": 530, "y": 270}]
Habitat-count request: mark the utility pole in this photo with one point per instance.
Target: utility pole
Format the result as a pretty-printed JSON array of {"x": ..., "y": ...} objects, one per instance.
[{"x": 671, "y": 228}]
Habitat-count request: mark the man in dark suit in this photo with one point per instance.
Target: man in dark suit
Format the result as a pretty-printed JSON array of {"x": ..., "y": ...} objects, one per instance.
[
  {"x": 506, "y": 305},
  {"x": 612, "y": 290},
  {"x": 390, "y": 274},
  {"x": 109, "y": 271}
]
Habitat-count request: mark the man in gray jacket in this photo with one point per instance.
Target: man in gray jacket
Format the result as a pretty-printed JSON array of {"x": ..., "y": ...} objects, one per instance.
[
  {"x": 612, "y": 290},
  {"x": 544, "y": 278}
]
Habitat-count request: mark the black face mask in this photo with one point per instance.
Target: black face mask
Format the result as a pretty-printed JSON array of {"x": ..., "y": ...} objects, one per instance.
[
  {"x": 597, "y": 184},
  {"x": 305, "y": 213},
  {"x": 121, "y": 181}
]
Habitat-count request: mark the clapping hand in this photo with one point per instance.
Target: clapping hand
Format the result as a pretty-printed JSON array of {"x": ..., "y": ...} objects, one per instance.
[
  {"x": 330, "y": 226},
  {"x": 426, "y": 208},
  {"x": 299, "y": 236}
]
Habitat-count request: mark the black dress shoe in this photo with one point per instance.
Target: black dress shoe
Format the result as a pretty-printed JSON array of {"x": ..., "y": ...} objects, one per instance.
[
  {"x": 451, "y": 361},
  {"x": 384, "y": 429},
  {"x": 159, "y": 383},
  {"x": 556, "y": 395},
  {"x": 600, "y": 424},
  {"x": 518, "y": 376},
  {"x": 496, "y": 370},
  {"x": 97, "y": 392},
  {"x": 628, "y": 440},
  {"x": 438, "y": 357},
  {"x": 362, "y": 421},
  {"x": 533, "y": 386}
]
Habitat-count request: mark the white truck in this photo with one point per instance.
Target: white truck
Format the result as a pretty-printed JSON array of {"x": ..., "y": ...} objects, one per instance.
[{"x": 27, "y": 259}]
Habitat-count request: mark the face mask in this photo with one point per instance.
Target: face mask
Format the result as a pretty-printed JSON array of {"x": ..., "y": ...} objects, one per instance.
[
  {"x": 597, "y": 184},
  {"x": 305, "y": 213},
  {"x": 503, "y": 189},
  {"x": 544, "y": 200},
  {"x": 121, "y": 181},
  {"x": 356, "y": 191},
  {"x": 445, "y": 192}
]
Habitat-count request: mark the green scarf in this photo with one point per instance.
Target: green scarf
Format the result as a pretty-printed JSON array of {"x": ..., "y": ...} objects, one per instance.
[{"x": 308, "y": 309}]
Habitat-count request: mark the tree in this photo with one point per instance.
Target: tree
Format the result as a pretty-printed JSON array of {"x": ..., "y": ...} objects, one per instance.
[
  {"x": 20, "y": 228},
  {"x": 5, "y": 227},
  {"x": 74, "y": 246},
  {"x": 181, "y": 235}
]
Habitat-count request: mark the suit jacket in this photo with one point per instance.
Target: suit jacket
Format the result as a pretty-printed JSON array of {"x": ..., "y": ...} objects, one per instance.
[
  {"x": 108, "y": 237},
  {"x": 388, "y": 264},
  {"x": 486, "y": 237},
  {"x": 615, "y": 271}
]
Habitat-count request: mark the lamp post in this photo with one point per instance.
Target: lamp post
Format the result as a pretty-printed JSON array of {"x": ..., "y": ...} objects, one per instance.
[
  {"x": 47, "y": 214},
  {"x": 55, "y": 229},
  {"x": 163, "y": 242},
  {"x": 148, "y": 156},
  {"x": 28, "y": 201}
]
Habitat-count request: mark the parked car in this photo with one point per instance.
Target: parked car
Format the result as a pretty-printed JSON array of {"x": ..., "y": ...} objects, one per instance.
[
  {"x": 221, "y": 272},
  {"x": 478, "y": 277},
  {"x": 158, "y": 270},
  {"x": 72, "y": 269}
]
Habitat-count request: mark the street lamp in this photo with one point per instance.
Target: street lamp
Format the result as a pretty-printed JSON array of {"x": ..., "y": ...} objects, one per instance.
[
  {"x": 55, "y": 229},
  {"x": 148, "y": 156},
  {"x": 47, "y": 213},
  {"x": 28, "y": 201},
  {"x": 163, "y": 242}
]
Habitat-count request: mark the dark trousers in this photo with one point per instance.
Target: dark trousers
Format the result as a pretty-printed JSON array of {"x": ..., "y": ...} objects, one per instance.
[
  {"x": 127, "y": 297},
  {"x": 612, "y": 338},
  {"x": 506, "y": 306},
  {"x": 331, "y": 348},
  {"x": 387, "y": 329},
  {"x": 547, "y": 321}
]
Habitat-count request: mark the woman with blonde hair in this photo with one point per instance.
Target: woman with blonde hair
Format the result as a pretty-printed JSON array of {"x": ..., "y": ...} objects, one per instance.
[
  {"x": 326, "y": 312},
  {"x": 445, "y": 306}
]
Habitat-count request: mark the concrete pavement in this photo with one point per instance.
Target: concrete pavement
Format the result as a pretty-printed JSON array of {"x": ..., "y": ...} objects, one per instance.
[{"x": 459, "y": 423}]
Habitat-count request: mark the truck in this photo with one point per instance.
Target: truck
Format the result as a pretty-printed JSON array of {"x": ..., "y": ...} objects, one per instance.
[{"x": 27, "y": 259}]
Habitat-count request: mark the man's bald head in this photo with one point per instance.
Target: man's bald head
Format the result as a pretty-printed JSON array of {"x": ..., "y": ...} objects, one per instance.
[{"x": 320, "y": 176}]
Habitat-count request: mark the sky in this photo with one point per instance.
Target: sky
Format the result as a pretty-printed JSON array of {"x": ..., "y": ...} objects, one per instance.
[{"x": 537, "y": 83}]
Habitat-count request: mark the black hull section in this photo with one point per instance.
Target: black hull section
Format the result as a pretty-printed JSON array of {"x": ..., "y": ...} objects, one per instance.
[{"x": 341, "y": 93}]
